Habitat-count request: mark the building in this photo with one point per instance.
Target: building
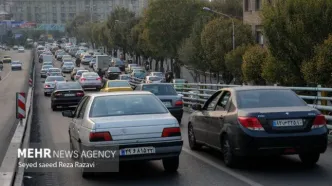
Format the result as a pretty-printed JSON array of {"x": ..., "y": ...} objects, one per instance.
[
  {"x": 62, "y": 11},
  {"x": 251, "y": 16}
]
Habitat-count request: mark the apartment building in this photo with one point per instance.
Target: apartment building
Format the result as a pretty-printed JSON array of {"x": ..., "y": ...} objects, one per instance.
[
  {"x": 251, "y": 16},
  {"x": 62, "y": 11}
]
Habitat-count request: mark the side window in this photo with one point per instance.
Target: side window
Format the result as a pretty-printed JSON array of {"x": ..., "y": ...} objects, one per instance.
[
  {"x": 79, "y": 106},
  {"x": 82, "y": 110},
  {"x": 222, "y": 103},
  {"x": 232, "y": 107},
  {"x": 212, "y": 101}
]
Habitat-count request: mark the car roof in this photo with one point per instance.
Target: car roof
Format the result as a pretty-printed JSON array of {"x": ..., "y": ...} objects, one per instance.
[{"x": 100, "y": 94}]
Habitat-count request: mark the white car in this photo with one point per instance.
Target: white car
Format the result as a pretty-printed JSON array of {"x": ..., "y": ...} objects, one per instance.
[
  {"x": 16, "y": 65},
  {"x": 49, "y": 83},
  {"x": 67, "y": 67},
  {"x": 52, "y": 70},
  {"x": 20, "y": 49}
]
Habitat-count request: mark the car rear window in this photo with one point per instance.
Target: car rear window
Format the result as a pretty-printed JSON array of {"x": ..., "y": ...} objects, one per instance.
[
  {"x": 160, "y": 89},
  {"x": 54, "y": 70},
  {"x": 122, "y": 105},
  {"x": 81, "y": 72},
  {"x": 16, "y": 62},
  {"x": 268, "y": 98},
  {"x": 68, "y": 64},
  {"x": 57, "y": 78},
  {"x": 47, "y": 66},
  {"x": 118, "y": 84},
  {"x": 68, "y": 86},
  {"x": 155, "y": 78},
  {"x": 90, "y": 74},
  {"x": 114, "y": 69},
  {"x": 87, "y": 56},
  {"x": 124, "y": 77}
]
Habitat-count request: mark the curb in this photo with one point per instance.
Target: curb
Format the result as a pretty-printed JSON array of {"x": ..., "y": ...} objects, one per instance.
[{"x": 9, "y": 165}]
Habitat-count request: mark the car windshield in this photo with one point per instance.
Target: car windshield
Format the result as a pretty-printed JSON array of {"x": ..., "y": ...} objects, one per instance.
[
  {"x": 124, "y": 77},
  {"x": 159, "y": 74},
  {"x": 54, "y": 78},
  {"x": 81, "y": 72},
  {"x": 68, "y": 64},
  {"x": 268, "y": 98},
  {"x": 118, "y": 84},
  {"x": 47, "y": 67},
  {"x": 6, "y": 56},
  {"x": 155, "y": 78},
  {"x": 68, "y": 86},
  {"x": 54, "y": 70},
  {"x": 122, "y": 105},
  {"x": 160, "y": 89},
  {"x": 114, "y": 69},
  {"x": 55, "y": 74},
  {"x": 16, "y": 62}
]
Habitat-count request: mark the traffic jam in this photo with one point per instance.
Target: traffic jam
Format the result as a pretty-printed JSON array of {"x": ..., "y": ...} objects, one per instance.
[{"x": 109, "y": 96}]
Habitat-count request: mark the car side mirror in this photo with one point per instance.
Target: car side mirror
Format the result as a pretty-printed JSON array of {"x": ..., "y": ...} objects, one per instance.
[
  {"x": 196, "y": 107},
  {"x": 68, "y": 113}
]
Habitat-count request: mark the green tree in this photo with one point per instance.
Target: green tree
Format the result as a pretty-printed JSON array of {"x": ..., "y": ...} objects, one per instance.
[
  {"x": 229, "y": 7},
  {"x": 319, "y": 69},
  {"x": 234, "y": 60},
  {"x": 216, "y": 39},
  {"x": 293, "y": 28},
  {"x": 79, "y": 20},
  {"x": 253, "y": 62}
]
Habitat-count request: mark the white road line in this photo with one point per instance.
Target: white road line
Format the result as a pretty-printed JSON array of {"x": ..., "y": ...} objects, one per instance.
[
  {"x": 2, "y": 79},
  {"x": 221, "y": 168}
]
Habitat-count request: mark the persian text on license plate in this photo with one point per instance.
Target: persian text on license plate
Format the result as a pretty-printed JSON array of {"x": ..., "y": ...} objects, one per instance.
[
  {"x": 167, "y": 103},
  {"x": 288, "y": 123},
  {"x": 67, "y": 95},
  {"x": 137, "y": 151}
]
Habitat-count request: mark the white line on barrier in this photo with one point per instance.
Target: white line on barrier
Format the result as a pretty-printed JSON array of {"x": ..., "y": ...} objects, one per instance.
[{"x": 221, "y": 168}]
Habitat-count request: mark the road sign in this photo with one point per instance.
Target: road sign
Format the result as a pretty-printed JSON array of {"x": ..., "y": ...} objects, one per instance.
[{"x": 20, "y": 105}]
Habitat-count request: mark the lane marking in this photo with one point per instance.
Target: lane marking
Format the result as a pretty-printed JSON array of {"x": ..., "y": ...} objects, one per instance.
[
  {"x": 4, "y": 78},
  {"x": 221, "y": 168}
]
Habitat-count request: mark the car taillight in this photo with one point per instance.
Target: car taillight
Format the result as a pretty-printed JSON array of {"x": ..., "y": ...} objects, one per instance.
[
  {"x": 179, "y": 103},
  {"x": 58, "y": 94},
  {"x": 319, "y": 121},
  {"x": 251, "y": 123},
  {"x": 170, "y": 132},
  {"x": 80, "y": 94},
  {"x": 98, "y": 78},
  {"x": 82, "y": 79},
  {"x": 47, "y": 86},
  {"x": 100, "y": 136}
]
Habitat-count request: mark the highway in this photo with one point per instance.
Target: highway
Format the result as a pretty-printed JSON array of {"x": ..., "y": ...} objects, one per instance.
[
  {"x": 12, "y": 82},
  {"x": 197, "y": 168}
]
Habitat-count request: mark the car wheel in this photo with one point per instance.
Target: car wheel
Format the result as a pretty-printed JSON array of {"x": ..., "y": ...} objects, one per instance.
[
  {"x": 171, "y": 164},
  {"x": 309, "y": 159},
  {"x": 230, "y": 159},
  {"x": 84, "y": 173},
  {"x": 53, "y": 107},
  {"x": 45, "y": 94},
  {"x": 192, "y": 139}
]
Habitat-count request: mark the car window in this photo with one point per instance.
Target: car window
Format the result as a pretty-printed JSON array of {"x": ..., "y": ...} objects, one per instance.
[
  {"x": 122, "y": 105},
  {"x": 47, "y": 67},
  {"x": 118, "y": 84},
  {"x": 222, "y": 103},
  {"x": 268, "y": 98},
  {"x": 89, "y": 74},
  {"x": 79, "y": 107},
  {"x": 55, "y": 78},
  {"x": 210, "y": 104},
  {"x": 160, "y": 89},
  {"x": 69, "y": 86},
  {"x": 81, "y": 72},
  {"x": 54, "y": 70},
  {"x": 114, "y": 69},
  {"x": 83, "y": 109}
]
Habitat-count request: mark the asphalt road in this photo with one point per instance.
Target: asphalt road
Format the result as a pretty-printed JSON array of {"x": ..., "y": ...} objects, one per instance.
[
  {"x": 12, "y": 82},
  {"x": 203, "y": 167}
]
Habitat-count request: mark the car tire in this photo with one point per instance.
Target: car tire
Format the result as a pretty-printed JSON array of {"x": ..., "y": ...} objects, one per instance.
[
  {"x": 192, "y": 139},
  {"x": 53, "y": 107},
  {"x": 230, "y": 159},
  {"x": 309, "y": 159},
  {"x": 171, "y": 164},
  {"x": 45, "y": 94},
  {"x": 84, "y": 173}
]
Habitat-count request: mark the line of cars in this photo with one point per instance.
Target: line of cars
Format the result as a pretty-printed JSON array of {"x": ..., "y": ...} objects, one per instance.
[
  {"x": 14, "y": 64},
  {"x": 136, "y": 122}
]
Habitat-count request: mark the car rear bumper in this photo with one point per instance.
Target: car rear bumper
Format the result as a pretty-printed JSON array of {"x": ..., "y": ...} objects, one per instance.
[
  {"x": 48, "y": 90},
  {"x": 162, "y": 150},
  {"x": 17, "y": 68},
  {"x": 176, "y": 112},
  {"x": 91, "y": 85},
  {"x": 315, "y": 141},
  {"x": 7, "y": 61},
  {"x": 73, "y": 101}
]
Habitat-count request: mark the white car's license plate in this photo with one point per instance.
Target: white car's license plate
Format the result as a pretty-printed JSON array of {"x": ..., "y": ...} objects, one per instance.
[
  {"x": 167, "y": 104},
  {"x": 137, "y": 151},
  {"x": 67, "y": 95},
  {"x": 288, "y": 123}
]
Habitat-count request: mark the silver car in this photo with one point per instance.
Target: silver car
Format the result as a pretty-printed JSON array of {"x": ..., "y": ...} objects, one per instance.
[
  {"x": 16, "y": 65},
  {"x": 49, "y": 83},
  {"x": 137, "y": 122},
  {"x": 67, "y": 67},
  {"x": 44, "y": 70},
  {"x": 79, "y": 73},
  {"x": 90, "y": 80},
  {"x": 52, "y": 70}
]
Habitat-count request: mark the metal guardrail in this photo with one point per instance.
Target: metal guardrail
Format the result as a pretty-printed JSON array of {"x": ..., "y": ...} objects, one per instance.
[{"x": 194, "y": 93}]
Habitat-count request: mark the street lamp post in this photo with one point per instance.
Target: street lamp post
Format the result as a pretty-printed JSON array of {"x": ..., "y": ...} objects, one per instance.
[{"x": 228, "y": 16}]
